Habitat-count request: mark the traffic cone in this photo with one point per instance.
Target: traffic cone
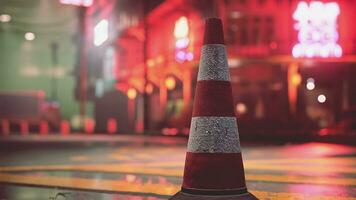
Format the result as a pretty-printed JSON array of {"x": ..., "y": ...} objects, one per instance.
[
  {"x": 213, "y": 165},
  {"x": 111, "y": 126},
  {"x": 5, "y": 125},
  {"x": 24, "y": 128},
  {"x": 44, "y": 128},
  {"x": 65, "y": 127}
]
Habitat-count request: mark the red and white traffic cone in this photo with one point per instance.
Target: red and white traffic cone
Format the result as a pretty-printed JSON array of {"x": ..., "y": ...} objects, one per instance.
[
  {"x": 111, "y": 126},
  {"x": 44, "y": 128},
  {"x": 24, "y": 127},
  {"x": 213, "y": 165},
  {"x": 89, "y": 126},
  {"x": 65, "y": 127},
  {"x": 5, "y": 124}
]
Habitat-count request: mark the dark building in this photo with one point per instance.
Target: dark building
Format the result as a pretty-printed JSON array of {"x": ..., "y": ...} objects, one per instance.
[{"x": 291, "y": 62}]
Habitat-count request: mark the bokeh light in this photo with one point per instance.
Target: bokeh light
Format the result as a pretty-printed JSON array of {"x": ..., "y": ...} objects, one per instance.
[
  {"x": 321, "y": 98},
  {"x": 30, "y": 36}
]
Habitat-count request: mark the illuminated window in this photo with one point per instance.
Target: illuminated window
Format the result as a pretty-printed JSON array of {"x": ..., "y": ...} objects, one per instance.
[
  {"x": 181, "y": 28},
  {"x": 101, "y": 32},
  {"x": 85, "y": 3},
  {"x": 317, "y": 26},
  {"x": 250, "y": 30}
]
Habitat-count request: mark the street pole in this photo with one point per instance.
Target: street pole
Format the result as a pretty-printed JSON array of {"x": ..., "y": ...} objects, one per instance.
[
  {"x": 82, "y": 65},
  {"x": 54, "y": 90},
  {"x": 145, "y": 71}
]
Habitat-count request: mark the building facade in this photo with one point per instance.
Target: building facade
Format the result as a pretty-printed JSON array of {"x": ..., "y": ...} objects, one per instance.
[{"x": 291, "y": 62}]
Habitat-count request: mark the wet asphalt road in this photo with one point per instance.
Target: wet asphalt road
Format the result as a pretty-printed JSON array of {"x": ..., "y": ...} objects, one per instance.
[{"x": 138, "y": 167}]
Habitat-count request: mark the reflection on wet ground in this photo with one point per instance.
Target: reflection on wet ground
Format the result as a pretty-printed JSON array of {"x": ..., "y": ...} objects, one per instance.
[{"x": 151, "y": 168}]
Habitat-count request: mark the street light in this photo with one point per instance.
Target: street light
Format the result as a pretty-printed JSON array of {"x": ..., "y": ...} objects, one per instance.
[
  {"x": 149, "y": 88},
  {"x": 30, "y": 36},
  {"x": 5, "y": 18},
  {"x": 310, "y": 84},
  {"x": 170, "y": 83},
  {"x": 321, "y": 98},
  {"x": 131, "y": 93}
]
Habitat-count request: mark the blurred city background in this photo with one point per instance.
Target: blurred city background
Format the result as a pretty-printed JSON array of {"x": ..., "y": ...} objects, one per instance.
[
  {"x": 96, "y": 96},
  {"x": 130, "y": 66}
]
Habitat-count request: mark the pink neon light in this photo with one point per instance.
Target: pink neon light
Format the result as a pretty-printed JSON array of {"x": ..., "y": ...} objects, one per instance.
[
  {"x": 317, "y": 26},
  {"x": 182, "y": 56},
  {"x": 182, "y": 43},
  {"x": 85, "y": 3},
  {"x": 181, "y": 33}
]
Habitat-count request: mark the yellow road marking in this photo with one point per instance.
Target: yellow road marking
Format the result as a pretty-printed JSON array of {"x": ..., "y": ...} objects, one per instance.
[
  {"x": 135, "y": 169},
  {"x": 134, "y": 187},
  {"x": 301, "y": 179},
  {"x": 273, "y": 167},
  {"x": 321, "y": 162},
  {"x": 296, "y": 196},
  {"x": 122, "y": 168},
  {"x": 120, "y": 157},
  {"x": 301, "y": 168},
  {"x": 91, "y": 184},
  {"x": 331, "y": 161},
  {"x": 79, "y": 158}
]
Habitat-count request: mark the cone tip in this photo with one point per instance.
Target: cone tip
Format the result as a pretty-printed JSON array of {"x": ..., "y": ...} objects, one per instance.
[{"x": 213, "y": 31}]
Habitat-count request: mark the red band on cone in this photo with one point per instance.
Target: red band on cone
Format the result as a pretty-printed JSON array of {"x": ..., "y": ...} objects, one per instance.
[
  {"x": 213, "y": 171},
  {"x": 213, "y": 31},
  {"x": 213, "y": 98}
]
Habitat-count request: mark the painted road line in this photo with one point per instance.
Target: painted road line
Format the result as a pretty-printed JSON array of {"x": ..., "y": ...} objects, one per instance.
[
  {"x": 111, "y": 168},
  {"x": 308, "y": 161},
  {"x": 296, "y": 196},
  {"x": 79, "y": 158},
  {"x": 133, "y": 187},
  {"x": 134, "y": 169},
  {"x": 326, "y": 169},
  {"x": 302, "y": 168},
  {"x": 90, "y": 184},
  {"x": 324, "y": 162},
  {"x": 301, "y": 179}
]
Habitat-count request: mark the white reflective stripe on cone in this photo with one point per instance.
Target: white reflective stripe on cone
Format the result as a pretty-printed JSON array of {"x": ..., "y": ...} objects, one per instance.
[
  {"x": 213, "y": 63},
  {"x": 214, "y": 135}
]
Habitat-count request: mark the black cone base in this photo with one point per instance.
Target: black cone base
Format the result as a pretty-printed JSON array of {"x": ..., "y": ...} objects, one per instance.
[{"x": 185, "y": 196}]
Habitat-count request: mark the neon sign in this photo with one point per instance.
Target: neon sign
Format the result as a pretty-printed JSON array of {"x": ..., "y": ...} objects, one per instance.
[
  {"x": 317, "y": 26},
  {"x": 181, "y": 32}
]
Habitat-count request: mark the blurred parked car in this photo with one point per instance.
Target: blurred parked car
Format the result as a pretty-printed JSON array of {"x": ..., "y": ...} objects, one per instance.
[
  {"x": 346, "y": 125},
  {"x": 343, "y": 130},
  {"x": 29, "y": 107}
]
